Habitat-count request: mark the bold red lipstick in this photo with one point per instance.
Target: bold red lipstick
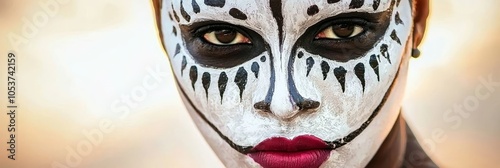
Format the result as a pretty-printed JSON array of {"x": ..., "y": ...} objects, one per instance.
[{"x": 304, "y": 151}]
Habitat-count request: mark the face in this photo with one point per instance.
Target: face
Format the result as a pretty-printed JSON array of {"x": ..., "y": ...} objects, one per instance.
[{"x": 277, "y": 83}]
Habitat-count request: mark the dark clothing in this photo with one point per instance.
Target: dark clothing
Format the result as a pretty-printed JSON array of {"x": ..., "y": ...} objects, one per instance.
[{"x": 401, "y": 149}]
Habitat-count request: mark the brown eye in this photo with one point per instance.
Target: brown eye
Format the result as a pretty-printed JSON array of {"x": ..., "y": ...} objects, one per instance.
[
  {"x": 225, "y": 37},
  {"x": 340, "y": 31}
]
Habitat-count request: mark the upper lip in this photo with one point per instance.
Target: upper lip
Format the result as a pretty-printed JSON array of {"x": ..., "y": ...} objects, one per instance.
[{"x": 281, "y": 144}]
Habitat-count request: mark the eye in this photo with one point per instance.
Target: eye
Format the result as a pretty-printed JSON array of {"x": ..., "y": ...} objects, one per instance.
[
  {"x": 340, "y": 31},
  {"x": 226, "y": 37}
]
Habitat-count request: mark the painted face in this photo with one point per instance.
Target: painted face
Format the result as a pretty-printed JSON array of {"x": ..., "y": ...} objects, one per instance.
[{"x": 285, "y": 83}]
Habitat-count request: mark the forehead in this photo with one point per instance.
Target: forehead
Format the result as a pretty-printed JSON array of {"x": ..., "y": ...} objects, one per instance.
[
  {"x": 254, "y": 11},
  {"x": 263, "y": 5}
]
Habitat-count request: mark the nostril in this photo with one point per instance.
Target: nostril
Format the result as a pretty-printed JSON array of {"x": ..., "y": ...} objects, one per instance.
[
  {"x": 263, "y": 106},
  {"x": 308, "y": 104}
]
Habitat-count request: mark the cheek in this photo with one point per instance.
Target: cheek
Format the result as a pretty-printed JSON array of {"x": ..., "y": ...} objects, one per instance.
[{"x": 225, "y": 97}]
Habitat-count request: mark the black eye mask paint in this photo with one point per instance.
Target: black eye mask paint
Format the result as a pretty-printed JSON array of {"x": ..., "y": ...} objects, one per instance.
[
  {"x": 343, "y": 50},
  {"x": 220, "y": 56}
]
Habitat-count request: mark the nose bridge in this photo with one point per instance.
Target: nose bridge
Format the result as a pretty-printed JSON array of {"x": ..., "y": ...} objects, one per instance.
[
  {"x": 282, "y": 104},
  {"x": 302, "y": 103},
  {"x": 284, "y": 101}
]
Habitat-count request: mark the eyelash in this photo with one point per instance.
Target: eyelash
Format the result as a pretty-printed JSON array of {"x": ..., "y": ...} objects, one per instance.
[
  {"x": 366, "y": 25},
  {"x": 200, "y": 32}
]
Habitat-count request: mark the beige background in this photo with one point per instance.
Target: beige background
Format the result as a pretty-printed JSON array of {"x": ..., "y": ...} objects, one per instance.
[{"x": 84, "y": 58}]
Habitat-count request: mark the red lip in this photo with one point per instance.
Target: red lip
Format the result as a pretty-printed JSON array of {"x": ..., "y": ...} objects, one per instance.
[{"x": 304, "y": 151}]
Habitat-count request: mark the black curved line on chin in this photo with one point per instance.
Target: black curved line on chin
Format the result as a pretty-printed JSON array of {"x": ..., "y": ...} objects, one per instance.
[{"x": 332, "y": 144}]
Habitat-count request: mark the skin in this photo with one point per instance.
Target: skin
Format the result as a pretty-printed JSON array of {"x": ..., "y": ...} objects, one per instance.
[{"x": 345, "y": 91}]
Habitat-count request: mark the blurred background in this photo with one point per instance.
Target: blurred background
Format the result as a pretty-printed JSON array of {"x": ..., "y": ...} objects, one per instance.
[{"x": 95, "y": 88}]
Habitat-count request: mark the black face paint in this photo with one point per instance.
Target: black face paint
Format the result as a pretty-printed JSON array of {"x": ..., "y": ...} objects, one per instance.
[
  {"x": 236, "y": 13},
  {"x": 325, "y": 68},
  {"x": 278, "y": 16},
  {"x": 272, "y": 81},
  {"x": 395, "y": 37},
  {"x": 359, "y": 70},
  {"x": 356, "y": 4},
  {"x": 241, "y": 80},
  {"x": 175, "y": 14},
  {"x": 215, "y": 3},
  {"x": 397, "y": 19},
  {"x": 340, "y": 75},
  {"x": 332, "y": 1},
  {"x": 255, "y": 69},
  {"x": 183, "y": 65},
  {"x": 220, "y": 56},
  {"x": 310, "y": 64},
  {"x": 177, "y": 49},
  {"x": 376, "y": 3},
  {"x": 222, "y": 85},
  {"x": 312, "y": 10},
  {"x": 196, "y": 8},
  {"x": 374, "y": 65},
  {"x": 343, "y": 50},
  {"x": 174, "y": 31},
  {"x": 170, "y": 16},
  {"x": 205, "y": 80},
  {"x": 193, "y": 75},
  {"x": 308, "y": 104},
  {"x": 300, "y": 54},
  {"x": 184, "y": 14},
  {"x": 385, "y": 53}
]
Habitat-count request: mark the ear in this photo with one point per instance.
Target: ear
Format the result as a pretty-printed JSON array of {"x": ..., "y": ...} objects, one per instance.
[{"x": 421, "y": 11}]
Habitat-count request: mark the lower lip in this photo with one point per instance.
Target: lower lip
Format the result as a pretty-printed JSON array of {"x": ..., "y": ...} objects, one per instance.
[{"x": 300, "y": 159}]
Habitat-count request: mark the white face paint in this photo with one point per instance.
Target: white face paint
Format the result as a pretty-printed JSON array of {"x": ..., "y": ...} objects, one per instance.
[{"x": 289, "y": 74}]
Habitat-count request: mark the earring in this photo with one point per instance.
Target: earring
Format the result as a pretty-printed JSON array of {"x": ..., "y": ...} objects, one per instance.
[{"x": 415, "y": 53}]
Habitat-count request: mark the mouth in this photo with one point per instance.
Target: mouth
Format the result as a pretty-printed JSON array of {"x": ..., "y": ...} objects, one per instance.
[{"x": 301, "y": 151}]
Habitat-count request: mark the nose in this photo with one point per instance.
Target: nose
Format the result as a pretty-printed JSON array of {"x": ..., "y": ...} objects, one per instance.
[
  {"x": 283, "y": 99},
  {"x": 286, "y": 104}
]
